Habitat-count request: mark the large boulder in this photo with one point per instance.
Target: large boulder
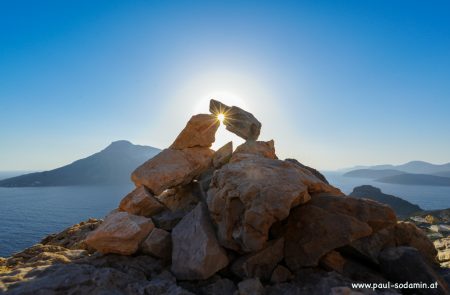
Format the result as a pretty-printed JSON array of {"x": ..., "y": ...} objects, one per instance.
[
  {"x": 246, "y": 197},
  {"x": 120, "y": 233},
  {"x": 238, "y": 121},
  {"x": 172, "y": 168},
  {"x": 196, "y": 253},
  {"x": 200, "y": 131},
  {"x": 141, "y": 202},
  {"x": 262, "y": 148},
  {"x": 260, "y": 264},
  {"x": 406, "y": 265}
]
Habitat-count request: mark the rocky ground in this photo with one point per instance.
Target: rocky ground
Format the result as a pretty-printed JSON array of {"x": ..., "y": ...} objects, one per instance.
[{"x": 229, "y": 222}]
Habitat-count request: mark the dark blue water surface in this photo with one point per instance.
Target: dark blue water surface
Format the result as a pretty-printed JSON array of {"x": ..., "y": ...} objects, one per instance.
[{"x": 29, "y": 214}]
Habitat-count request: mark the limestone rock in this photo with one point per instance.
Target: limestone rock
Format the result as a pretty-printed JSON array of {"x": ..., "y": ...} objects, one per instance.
[
  {"x": 312, "y": 170},
  {"x": 245, "y": 198},
  {"x": 371, "y": 246},
  {"x": 181, "y": 198},
  {"x": 158, "y": 244},
  {"x": 167, "y": 220},
  {"x": 405, "y": 264},
  {"x": 333, "y": 261},
  {"x": 260, "y": 264},
  {"x": 171, "y": 168},
  {"x": 141, "y": 202},
  {"x": 221, "y": 286},
  {"x": 280, "y": 274},
  {"x": 196, "y": 253},
  {"x": 261, "y": 148},
  {"x": 120, "y": 233},
  {"x": 238, "y": 121},
  {"x": 200, "y": 131},
  {"x": 327, "y": 223},
  {"x": 251, "y": 287},
  {"x": 223, "y": 155}
]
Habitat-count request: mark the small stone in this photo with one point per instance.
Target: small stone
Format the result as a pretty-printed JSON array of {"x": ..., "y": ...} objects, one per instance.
[
  {"x": 251, "y": 287},
  {"x": 141, "y": 202},
  {"x": 196, "y": 253},
  {"x": 223, "y": 155},
  {"x": 171, "y": 168},
  {"x": 158, "y": 244},
  {"x": 120, "y": 233},
  {"x": 260, "y": 148},
  {"x": 280, "y": 274},
  {"x": 200, "y": 131},
  {"x": 238, "y": 121}
]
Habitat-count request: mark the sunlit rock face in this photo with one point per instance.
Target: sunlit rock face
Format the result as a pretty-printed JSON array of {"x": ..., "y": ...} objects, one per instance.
[
  {"x": 236, "y": 120},
  {"x": 172, "y": 168},
  {"x": 141, "y": 202},
  {"x": 200, "y": 131}
]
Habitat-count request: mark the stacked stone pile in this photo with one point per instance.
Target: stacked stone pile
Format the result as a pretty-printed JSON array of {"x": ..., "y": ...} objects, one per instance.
[{"x": 246, "y": 222}]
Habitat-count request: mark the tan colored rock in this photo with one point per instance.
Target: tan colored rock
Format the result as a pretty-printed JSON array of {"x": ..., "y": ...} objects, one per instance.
[
  {"x": 120, "y": 233},
  {"x": 171, "y": 168},
  {"x": 281, "y": 274},
  {"x": 141, "y": 202},
  {"x": 333, "y": 260},
  {"x": 223, "y": 155},
  {"x": 200, "y": 131},
  {"x": 261, "y": 148},
  {"x": 196, "y": 253},
  {"x": 371, "y": 246},
  {"x": 238, "y": 121},
  {"x": 260, "y": 264},
  {"x": 313, "y": 231},
  {"x": 408, "y": 234},
  {"x": 245, "y": 198},
  {"x": 158, "y": 244},
  {"x": 181, "y": 198}
]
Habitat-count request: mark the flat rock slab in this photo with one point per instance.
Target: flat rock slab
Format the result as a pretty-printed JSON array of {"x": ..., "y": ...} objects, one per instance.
[
  {"x": 120, "y": 233},
  {"x": 246, "y": 197},
  {"x": 200, "y": 131},
  {"x": 238, "y": 121},
  {"x": 171, "y": 168},
  {"x": 141, "y": 202},
  {"x": 196, "y": 253}
]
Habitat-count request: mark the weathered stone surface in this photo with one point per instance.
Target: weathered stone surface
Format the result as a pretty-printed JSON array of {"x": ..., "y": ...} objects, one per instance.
[
  {"x": 261, "y": 148},
  {"x": 281, "y": 274},
  {"x": 251, "y": 287},
  {"x": 167, "y": 220},
  {"x": 158, "y": 244},
  {"x": 324, "y": 224},
  {"x": 181, "y": 198},
  {"x": 260, "y": 264},
  {"x": 171, "y": 168},
  {"x": 200, "y": 131},
  {"x": 408, "y": 234},
  {"x": 371, "y": 246},
  {"x": 120, "y": 233},
  {"x": 141, "y": 202},
  {"x": 238, "y": 121},
  {"x": 333, "y": 260},
  {"x": 245, "y": 198},
  {"x": 196, "y": 253},
  {"x": 312, "y": 170},
  {"x": 405, "y": 264},
  {"x": 74, "y": 236},
  {"x": 223, "y": 155}
]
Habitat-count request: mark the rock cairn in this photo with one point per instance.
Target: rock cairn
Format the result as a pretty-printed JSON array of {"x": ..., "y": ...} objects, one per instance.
[{"x": 245, "y": 221}]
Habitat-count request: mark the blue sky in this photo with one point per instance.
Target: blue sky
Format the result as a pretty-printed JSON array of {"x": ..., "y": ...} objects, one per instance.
[{"x": 335, "y": 83}]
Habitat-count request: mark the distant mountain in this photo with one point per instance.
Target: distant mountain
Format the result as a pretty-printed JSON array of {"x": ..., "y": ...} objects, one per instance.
[
  {"x": 372, "y": 174},
  {"x": 417, "y": 167},
  {"x": 9, "y": 174},
  {"x": 113, "y": 165},
  {"x": 443, "y": 174},
  {"x": 401, "y": 207},
  {"x": 416, "y": 179}
]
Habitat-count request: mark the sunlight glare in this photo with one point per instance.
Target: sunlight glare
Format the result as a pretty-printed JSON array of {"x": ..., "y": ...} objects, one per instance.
[{"x": 221, "y": 117}]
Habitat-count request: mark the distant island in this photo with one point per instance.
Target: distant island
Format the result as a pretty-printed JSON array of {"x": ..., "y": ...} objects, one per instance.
[
  {"x": 411, "y": 173},
  {"x": 402, "y": 208},
  {"x": 112, "y": 165}
]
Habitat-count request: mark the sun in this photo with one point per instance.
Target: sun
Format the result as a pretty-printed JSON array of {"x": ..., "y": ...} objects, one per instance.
[{"x": 221, "y": 117}]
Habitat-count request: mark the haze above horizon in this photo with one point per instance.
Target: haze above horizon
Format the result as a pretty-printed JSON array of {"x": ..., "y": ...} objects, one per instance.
[{"x": 335, "y": 85}]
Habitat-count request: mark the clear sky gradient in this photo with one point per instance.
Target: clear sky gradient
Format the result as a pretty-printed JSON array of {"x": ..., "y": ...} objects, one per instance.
[{"x": 334, "y": 83}]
